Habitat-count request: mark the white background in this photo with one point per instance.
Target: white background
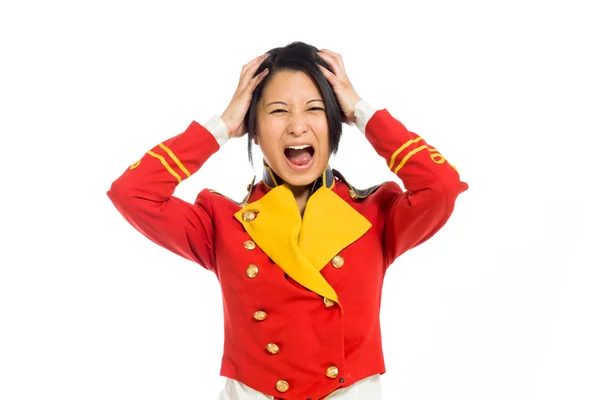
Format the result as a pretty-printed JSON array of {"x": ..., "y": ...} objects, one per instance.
[{"x": 501, "y": 304}]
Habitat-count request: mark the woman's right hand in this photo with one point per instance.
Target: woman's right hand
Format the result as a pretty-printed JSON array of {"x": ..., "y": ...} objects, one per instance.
[{"x": 234, "y": 114}]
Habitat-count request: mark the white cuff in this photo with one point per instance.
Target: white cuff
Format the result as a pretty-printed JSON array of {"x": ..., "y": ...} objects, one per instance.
[
  {"x": 363, "y": 113},
  {"x": 219, "y": 130}
]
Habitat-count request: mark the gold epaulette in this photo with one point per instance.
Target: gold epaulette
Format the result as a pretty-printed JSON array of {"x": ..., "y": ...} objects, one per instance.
[
  {"x": 243, "y": 202},
  {"x": 357, "y": 194}
]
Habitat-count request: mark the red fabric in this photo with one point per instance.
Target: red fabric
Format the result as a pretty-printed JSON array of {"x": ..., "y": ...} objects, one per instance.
[{"x": 311, "y": 337}]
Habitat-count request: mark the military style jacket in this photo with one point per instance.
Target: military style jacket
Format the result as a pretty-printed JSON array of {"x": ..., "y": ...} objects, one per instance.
[{"x": 301, "y": 294}]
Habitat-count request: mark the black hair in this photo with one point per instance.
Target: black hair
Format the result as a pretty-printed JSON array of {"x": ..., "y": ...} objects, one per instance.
[{"x": 302, "y": 57}]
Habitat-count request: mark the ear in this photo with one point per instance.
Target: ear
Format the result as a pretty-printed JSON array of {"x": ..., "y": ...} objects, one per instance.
[{"x": 255, "y": 138}]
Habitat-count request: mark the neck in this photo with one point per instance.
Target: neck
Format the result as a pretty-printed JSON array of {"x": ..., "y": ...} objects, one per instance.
[{"x": 301, "y": 194}]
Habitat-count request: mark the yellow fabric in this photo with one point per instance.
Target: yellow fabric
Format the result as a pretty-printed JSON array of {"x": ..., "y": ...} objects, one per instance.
[
  {"x": 303, "y": 246},
  {"x": 174, "y": 158}
]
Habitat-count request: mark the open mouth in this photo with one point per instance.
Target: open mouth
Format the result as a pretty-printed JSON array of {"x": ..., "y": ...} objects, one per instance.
[{"x": 299, "y": 155}]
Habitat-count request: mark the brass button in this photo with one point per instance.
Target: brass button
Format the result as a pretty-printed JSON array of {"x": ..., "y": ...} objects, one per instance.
[
  {"x": 332, "y": 372},
  {"x": 328, "y": 303},
  {"x": 251, "y": 271},
  {"x": 272, "y": 348},
  {"x": 353, "y": 194},
  {"x": 260, "y": 315},
  {"x": 338, "y": 261},
  {"x": 282, "y": 386},
  {"x": 249, "y": 244},
  {"x": 248, "y": 216}
]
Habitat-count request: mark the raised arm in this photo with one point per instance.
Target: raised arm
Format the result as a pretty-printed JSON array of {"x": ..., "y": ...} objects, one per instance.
[
  {"x": 143, "y": 194},
  {"x": 432, "y": 184}
]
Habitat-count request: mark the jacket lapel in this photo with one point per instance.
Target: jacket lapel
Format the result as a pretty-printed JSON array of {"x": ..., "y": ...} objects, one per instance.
[{"x": 301, "y": 247}]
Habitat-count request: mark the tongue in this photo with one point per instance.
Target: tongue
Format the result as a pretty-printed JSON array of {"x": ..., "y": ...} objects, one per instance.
[{"x": 298, "y": 157}]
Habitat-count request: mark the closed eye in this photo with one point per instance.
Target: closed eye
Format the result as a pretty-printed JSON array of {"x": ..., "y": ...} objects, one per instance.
[{"x": 310, "y": 109}]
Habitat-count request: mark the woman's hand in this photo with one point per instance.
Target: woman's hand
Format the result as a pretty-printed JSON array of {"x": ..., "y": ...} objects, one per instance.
[
  {"x": 343, "y": 89},
  {"x": 234, "y": 114}
]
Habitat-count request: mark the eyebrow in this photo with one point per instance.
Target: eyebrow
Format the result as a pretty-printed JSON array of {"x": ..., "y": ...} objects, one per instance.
[{"x": 285, "y": 104}]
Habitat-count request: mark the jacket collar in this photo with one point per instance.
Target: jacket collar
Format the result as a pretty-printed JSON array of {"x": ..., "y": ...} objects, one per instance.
[
  {"x": 272, "y": 180},
  {"x": 303, "y": 245}
]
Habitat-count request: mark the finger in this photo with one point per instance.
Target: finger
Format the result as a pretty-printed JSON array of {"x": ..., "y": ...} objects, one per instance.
[
  {"x": 331, "y": 78},
  {"x": 258, "y": 79},
  {"x": 338, "y": 59},
  {"x": 254, "y": 63},
  {"x": 248, "y": 74},
  {"x": 333, "y": 63},
  {"x": 336, "y": 56}
]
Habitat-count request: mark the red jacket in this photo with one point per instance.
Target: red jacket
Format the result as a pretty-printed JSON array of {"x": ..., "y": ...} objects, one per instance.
[{"x": 301, "y": 296}]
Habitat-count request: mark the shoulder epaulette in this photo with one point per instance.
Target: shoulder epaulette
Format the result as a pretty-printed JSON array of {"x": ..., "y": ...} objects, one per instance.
[
  {"x": 357, "y": 194},
  {"x": 243, "y": 202}
]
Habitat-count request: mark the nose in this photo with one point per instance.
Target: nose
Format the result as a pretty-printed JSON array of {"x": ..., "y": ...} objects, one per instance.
[{"x": 298, "y": 124}]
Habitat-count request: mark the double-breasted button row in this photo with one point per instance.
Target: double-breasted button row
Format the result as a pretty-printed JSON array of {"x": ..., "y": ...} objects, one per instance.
[
  {"x": 328, "y": 302},
  {"x": 249, "y": 215},
  {"x": 337, "y": 261},
  {"x": 249, "y": 245},
  {"x": 260, "y": 315},
  {"x": 272, "y": 348},
  {"x": 332, "y": 372},
  {"x": 282, "y": 386},
  {"x": 251, "y": 271}
]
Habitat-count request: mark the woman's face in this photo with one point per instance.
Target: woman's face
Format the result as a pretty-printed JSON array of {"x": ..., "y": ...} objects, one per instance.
[{"x": 291, "y": 128}]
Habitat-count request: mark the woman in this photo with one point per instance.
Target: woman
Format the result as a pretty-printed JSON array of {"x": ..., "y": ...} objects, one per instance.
[{"x": 301, "y": 260}]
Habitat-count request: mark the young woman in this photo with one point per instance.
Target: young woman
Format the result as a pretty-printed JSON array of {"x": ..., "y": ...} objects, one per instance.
[{"x": 301, "y": 260}]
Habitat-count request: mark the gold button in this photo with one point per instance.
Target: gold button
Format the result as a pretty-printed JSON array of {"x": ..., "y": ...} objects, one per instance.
[
  {"x": 328, "y": 303},
  {"x": 272, "y": 348},
  {"x": 251, "y": 271},
  {"x": 282, "y": 386},
  {"x": 260, "y": 315},
  {"x": 332, "y": 372},
  {"x": 338, "y": 261},
  {"x": 249, "y": 244},
  {"x": 248, "y": 216},
  {"x": 353, "y": 194}
]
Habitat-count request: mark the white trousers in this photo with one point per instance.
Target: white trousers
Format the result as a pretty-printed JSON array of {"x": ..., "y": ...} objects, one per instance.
[{"x": 365, "y": 389}]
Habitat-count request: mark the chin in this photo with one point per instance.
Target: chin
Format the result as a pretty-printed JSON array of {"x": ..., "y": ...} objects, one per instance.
[{"x": 302, "y": 180}]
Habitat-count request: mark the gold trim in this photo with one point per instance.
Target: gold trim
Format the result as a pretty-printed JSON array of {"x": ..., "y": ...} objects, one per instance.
[
  {"x": 135, "y": 164},
  {"x": 270, "y": 171},
  {"x": 174, "y": 158},
  {"x": 409, "y": 155},
  {"x": 438, "y": 161},
  {"x": 165, "y": 164},
  {"x": 405, "y": 145}
]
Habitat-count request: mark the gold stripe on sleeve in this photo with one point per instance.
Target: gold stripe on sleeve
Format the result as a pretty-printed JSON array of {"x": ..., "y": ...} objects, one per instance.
[
  {"x": 135, "y": 164},
  {"x": 405, "y": 145},
  {"x": 174, "y": 158},
  {"x": 165, "y": 164},
  {"x": 409, "y": 155},
  {"x": 434, "y": 153}
]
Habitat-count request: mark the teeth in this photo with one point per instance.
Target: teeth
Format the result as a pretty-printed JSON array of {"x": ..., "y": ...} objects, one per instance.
[{"x": 304, "y": 146}]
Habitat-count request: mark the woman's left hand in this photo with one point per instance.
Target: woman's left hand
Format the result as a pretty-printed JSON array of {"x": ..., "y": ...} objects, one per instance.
[{"x": 343, "y": 89}]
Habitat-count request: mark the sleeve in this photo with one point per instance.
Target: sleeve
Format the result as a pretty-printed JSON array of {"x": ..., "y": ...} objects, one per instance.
[
  {"x": 143, "y": 194},
  {"x": 432, "y": 183}
]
